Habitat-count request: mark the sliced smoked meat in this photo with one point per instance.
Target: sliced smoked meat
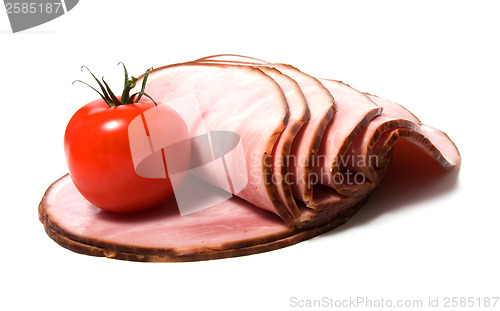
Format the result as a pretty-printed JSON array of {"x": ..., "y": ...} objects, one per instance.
[
  {"x": 372, "y": 146},
  {"x": 354, "y": 111},
  {"x": 298, "y": 134},
  {"x": 231, "y": 98},
  {"x": 306, "y": 144},
  {"x": 233, "y": 228},
  {"x": 299, "y": 115},
  {"x": 321, "y": 145},
  {"x": 348, "y": 143}
]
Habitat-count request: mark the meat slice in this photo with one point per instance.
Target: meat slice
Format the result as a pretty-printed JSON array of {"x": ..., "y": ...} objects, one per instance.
[
  {"x": 319, "y": 162},
  {"x": 435, "y": 143},
  {"x": 393, "y": 116},
  {"x": 373, "y": 145},
  {"x": 431, "y": 140},
  {"x": 345, "y": 144},
  {"x": 299, "y": 115},
  {"x": 230, "y": 98},
  {"x": 233, "y": 228},
  {"x": 354, "y": 112},
  {"x": 305, "y": 146},
  {"x": 360, "y": 123}
]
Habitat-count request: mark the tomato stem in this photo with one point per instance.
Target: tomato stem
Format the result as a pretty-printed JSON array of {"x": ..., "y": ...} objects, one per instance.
[{"x": 109, "y": 97}]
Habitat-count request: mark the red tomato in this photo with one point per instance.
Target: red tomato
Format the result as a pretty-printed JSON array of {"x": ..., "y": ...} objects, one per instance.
[{"x": 99, "y": 156}]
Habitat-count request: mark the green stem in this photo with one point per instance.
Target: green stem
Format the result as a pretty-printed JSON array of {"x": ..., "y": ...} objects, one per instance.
[
  {"x": 129, "y": 84},
  {"x": 126, "y": 99}
]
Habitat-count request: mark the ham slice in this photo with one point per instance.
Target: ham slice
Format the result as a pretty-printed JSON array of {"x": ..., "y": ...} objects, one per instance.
[
  {"x": 299, "y": 115},
  {"x": 299, "y": 134},
  {"x": 375, "y": 142},
  {"x": 347, "y": 147},
  {"x": 354, "y": 112},
  {"x": 231, "y": 98},
  {"x": 233, "y": 228},
  {"x": 305, "y": 146},
  {"x": 322, "y": 142},
  {"x": 335, "y": 133}
]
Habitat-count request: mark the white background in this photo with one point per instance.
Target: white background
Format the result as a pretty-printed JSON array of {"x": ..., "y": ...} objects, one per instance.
[{"x": 439, "y": 59}]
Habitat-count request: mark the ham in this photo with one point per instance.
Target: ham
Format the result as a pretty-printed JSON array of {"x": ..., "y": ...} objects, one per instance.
[
  {"x": 306, "y": 145},
  {"x": 354, "y": 112},
  {"x": 231, "y": 98},
  {"x": 312, "y": 152},
  {"x": 323, "y": 141},
  {"x": 375, "y": 142},
  {"x": 232, "y": 228},
  {"x": 299, "y": 115},
  {"x": 345, "y": 153}
]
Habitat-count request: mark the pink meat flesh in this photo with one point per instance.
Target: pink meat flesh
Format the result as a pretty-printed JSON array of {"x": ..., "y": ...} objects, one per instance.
[
  {"x": 234, "y": 222},
  {"x": 337, "y": 139},
  {"x": 372, "y": 145},
  {"x": 299, "y": 115},
  {"x": 231, "y": 98},
  {"x": 306, "y": 144},
  {"x": 361, "y": 121},
  {"x": 354, "y": 112}
]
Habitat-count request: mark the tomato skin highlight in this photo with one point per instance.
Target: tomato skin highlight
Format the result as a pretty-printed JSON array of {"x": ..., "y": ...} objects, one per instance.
[{"x": 99, "y": 158}]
